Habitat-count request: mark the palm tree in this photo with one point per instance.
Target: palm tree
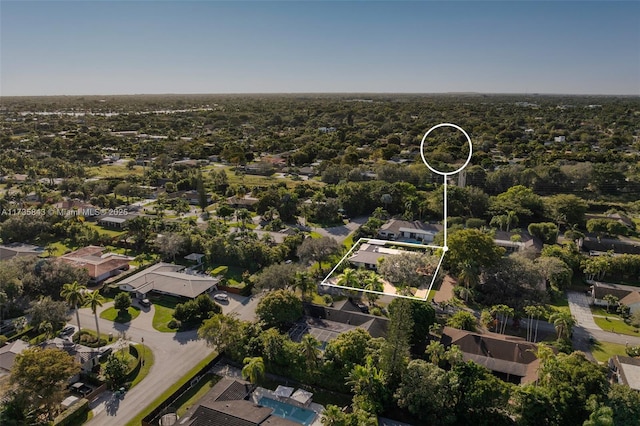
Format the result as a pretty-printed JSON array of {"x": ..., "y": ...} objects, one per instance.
[
  {"x": 304, "y": 283},
  {"x": 611, "y": 300},
  {"x": 333, "y": 416},
  {"x": 503, "y": 312},
  {"x": 47, "y": 328},
  {"x": 373, "y": 282},
  {"x": 348, "y": 278},
  {"x": 365, "y": 379},
  {"x": 436, "y": 352},
  {"x": 94, "y": 300},
  {"x": 73, "y": 294},
  {"x": 512, "y": 219},
  {"x": 309, "y": 348},
  {"x": 563, "y": 322},
  {"x": 253, "y": 368},
  {"x": 469, "y": 275},
  {"x": 243, "y": 215},
  {"x": 533, "y": 311}
]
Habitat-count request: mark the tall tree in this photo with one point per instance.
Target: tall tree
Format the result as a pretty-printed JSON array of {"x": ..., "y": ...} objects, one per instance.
[
  {"x": 73, "y": 294},
  {"x": 95, "y": 300},
  {"x": 317, "y": 250},
  {"x": 469, "y": 275},
  {"x": 41, "y": 376},
  {"x": 563, "y": 322},
  {"x": 253, "y": 369},
  {"x": 395, "y": 350},
  {"x": 309, "y": 346}
]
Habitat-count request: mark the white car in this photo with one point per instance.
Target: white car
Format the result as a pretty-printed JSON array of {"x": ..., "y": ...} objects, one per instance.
[{"x": 221, "y": 297}]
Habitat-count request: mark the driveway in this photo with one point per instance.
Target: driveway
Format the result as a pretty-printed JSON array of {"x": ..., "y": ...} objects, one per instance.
[
  {"x": 579, "y": 306},
  {"x": 175, "y": 354}
]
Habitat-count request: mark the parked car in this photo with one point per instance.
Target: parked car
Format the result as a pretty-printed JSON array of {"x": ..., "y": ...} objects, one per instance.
[
  {"x": 145, "y": 302},
  {"x": 67, "y": 331},
  {"x": 221, "y": 297},
  {"x": 81, "y": 388}
]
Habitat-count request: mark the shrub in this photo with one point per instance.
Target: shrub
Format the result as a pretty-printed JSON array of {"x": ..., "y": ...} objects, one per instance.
[
  {"x": 327, "y": 299},
  {"x": 174, "y": 324}
]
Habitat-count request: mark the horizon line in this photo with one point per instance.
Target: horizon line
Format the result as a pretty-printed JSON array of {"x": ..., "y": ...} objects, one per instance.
[{"x": 321, "y": 93}]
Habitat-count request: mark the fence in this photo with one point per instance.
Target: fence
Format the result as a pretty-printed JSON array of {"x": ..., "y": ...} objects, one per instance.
[{"x": 165, "y": 407}]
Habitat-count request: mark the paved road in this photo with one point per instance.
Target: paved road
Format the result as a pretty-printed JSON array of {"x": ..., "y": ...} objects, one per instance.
[{"x": 175, "y": 354}]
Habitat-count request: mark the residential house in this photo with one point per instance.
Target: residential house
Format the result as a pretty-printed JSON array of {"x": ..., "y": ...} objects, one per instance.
[
  {"x": 227, "y": 403},
  {"x": 8, "y": 354},
  {"x": 599, "y": 246},
  {"x": 627, "y": 295},
  {"x": 370, "y": 253},
  {"x": 326, "y": 323},
  {"x": 113, "y": 222},
  {"x": 517, "y": 242},
  {"x": 11, "y": 250},
  {"x": 625, "y": 370},
  {"x": 246, "y": 202},
  {"x": 88, "y": 358},
  {"x": 98, "y": 264},
  {"x": 510, "y": 358},
  {"x": 167, "y": 278},
  {"x": 409, "y": 231}
]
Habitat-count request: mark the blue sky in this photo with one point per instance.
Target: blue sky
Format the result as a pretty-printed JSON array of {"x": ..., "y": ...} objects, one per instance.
[{"x": 127, "y": 47}]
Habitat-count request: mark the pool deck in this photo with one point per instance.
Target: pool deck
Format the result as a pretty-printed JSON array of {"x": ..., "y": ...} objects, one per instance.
[
  {"x": 223, "y": 369},
  {"x": 262, "y": 392}
]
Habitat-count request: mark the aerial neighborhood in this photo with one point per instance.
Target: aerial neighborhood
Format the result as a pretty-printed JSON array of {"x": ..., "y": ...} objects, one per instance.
[{"x": 202, "y": 278}]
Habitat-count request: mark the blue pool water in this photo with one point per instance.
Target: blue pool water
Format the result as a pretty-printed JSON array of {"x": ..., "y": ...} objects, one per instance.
[{"x": 288, "y": 411}]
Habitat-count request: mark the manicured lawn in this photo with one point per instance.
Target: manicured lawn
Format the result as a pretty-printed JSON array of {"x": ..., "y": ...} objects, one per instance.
[
  {"x": 348, "y": 242},
  {"x": 616, "y": 325},
  {"x": 137, "y": 420},
  {"x": 104, "y": 231},
  {"x": 192, "y": 396},
  {"x": 314, "y": 234},
  {"x": 602, "y": 351},
  {"x": 164, "y": 307},
  {"x": 147, "y": 356},
  {"x": 599, "y": 310},
  {"x": 112, "y": 314},
  {"x": 110, "y": 171}
]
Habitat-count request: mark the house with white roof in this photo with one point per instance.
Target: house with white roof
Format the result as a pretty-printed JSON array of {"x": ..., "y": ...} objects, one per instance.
[{"x": 167, "y": 278}]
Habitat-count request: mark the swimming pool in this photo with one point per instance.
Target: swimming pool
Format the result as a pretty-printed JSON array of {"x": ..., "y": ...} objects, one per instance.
[{"x": 288, "y": 411}]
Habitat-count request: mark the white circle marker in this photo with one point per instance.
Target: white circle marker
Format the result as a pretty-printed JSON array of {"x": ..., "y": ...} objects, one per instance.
[{"x": 424, "y": 160}]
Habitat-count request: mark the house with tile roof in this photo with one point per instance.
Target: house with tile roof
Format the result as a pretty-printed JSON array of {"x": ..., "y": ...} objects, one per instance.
[
  {"x": 98, "y": 264},
  {"x": 11, "y": 250},
  {"x": 8, "y": 354}
]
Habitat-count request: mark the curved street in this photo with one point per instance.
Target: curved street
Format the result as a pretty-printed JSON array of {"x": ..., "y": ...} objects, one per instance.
[{"x": 175, "y": 354}]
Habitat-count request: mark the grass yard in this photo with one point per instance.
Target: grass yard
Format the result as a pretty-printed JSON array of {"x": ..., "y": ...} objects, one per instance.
[
  {"x": 103, "y": 231},
  {"x": 560, "y": 305},
  {"x": 192, "y": 396},
  {"x": 602, "y": 351},
  {"x": 147, "y": 357},
  {"x": 164, "y": 307},
  {"x": 616, "y": 326},
  {"x": 137, "y": 420},
  {"x": 599, "y": 310},
  {"x": 111, "y": 171},
  {"x": 112, "y": 314}
]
